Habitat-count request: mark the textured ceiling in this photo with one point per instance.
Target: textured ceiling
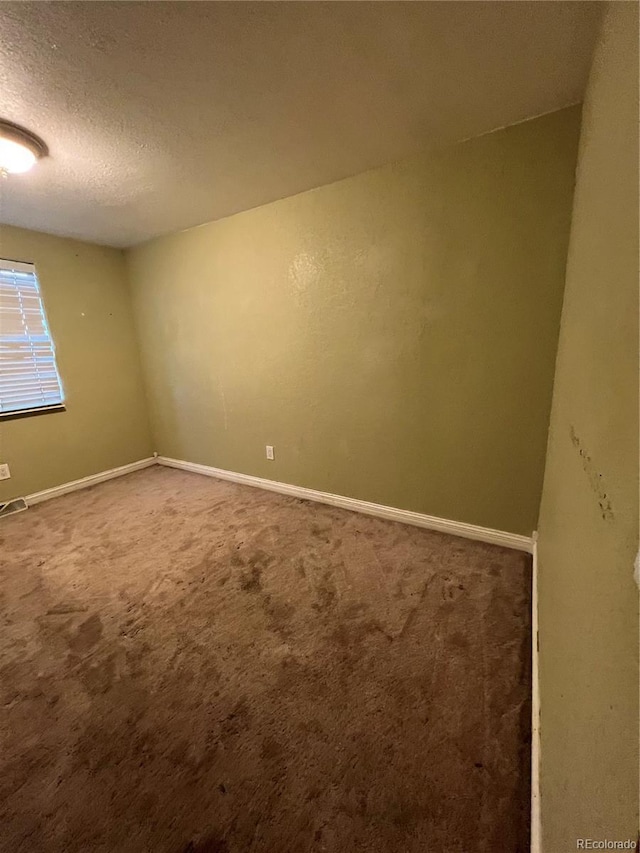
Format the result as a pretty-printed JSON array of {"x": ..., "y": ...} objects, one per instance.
[{"x": 160, "y": 116}]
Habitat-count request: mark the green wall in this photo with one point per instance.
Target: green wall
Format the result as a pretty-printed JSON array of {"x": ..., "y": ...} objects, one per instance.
[
  {"x": 588, "y": 602},
  {"x": 88, "y": 306},
  {"x": 393, "y": 334}
]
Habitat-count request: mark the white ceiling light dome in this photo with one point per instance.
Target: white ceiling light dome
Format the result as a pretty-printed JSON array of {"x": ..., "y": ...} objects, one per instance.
[{"x": 20, "y": 149}]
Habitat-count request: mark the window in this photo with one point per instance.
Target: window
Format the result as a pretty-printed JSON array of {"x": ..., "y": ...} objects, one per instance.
[{"x": 29, "y": 380}]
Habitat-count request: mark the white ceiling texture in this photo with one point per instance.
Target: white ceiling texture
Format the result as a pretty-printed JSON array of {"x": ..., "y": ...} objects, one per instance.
[{"x": 163, "y": 115}]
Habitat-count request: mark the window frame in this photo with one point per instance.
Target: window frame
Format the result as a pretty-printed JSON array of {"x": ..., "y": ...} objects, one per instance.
[{"x": 32, "y": 411}]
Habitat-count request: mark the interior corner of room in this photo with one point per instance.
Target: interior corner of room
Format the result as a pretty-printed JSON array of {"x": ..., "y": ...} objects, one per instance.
[
  {"x": 389, "y": 348},
  {"x": 437, "y": 328}
]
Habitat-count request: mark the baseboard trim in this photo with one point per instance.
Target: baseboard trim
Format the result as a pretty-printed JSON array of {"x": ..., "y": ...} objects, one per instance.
[
  {"x": 85, "y": 482},
  {"x": 404, "y": 516},
  {"x": 417, "y": 519},
  {"x": 536, "y": 821}
]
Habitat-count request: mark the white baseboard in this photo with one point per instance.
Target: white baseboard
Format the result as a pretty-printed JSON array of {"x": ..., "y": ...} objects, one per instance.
[
  {"x": 405, "y": 516},
  {"x": 536, "y": 822},
  {"x": 85, "y": 482}
]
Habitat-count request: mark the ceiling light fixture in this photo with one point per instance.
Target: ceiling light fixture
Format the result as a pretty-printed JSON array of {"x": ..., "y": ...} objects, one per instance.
[{"x": 19, "y": 148}]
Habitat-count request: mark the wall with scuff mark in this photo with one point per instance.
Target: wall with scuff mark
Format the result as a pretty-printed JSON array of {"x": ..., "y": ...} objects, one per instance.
[
  {"x": 393, "y": 335},
  {"x": 588, "y": 533},
  {"x": 88, "y": 306}
]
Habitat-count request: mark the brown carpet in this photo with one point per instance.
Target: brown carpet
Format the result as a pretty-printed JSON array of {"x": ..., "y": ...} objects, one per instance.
[{"x": 192, "y": 665}]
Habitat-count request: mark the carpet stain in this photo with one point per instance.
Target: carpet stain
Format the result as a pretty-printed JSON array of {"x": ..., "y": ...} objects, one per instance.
[
  {"x": 211, "y": 844},
  {"x": 87, "y": 635},
  {"x": 193, "y": 666},
  {"x": 251, "y": 581},
  {"x": 326, "y": 592}
]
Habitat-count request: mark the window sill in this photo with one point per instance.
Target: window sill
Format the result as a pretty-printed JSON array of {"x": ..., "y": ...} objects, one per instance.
[{"x": 31, "y": 413}]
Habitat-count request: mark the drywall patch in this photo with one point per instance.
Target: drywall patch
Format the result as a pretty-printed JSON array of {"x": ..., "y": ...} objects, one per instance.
[{"x": 596, "y": 480}]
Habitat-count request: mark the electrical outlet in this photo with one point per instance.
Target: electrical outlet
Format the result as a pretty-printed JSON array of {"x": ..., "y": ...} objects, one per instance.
[
  {"x": 270, "y": 452},
  {"x": 5, "y": 473}
]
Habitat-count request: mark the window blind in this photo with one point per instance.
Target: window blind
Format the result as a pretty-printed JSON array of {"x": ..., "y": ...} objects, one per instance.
[{"x": 29, "y": 378}]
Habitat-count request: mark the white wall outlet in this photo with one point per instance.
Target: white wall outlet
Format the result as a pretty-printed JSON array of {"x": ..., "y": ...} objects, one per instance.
[
  {"x": 270, "y": 451},
  {"x": 5, "y": 473}
]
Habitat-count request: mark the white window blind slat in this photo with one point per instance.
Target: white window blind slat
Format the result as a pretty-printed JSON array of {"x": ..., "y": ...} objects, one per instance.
[{"x": 29, "y": 377}]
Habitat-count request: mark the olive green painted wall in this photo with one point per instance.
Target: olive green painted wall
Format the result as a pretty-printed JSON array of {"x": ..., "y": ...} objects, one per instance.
[
  {"x": 88, "y": 307},
  {"x": 588, "y": 602},
  {"x": 393, "y": 334}
]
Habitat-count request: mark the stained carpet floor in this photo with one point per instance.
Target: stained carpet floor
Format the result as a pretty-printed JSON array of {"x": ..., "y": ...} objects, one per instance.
[{"x": 193, "y": 665}]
